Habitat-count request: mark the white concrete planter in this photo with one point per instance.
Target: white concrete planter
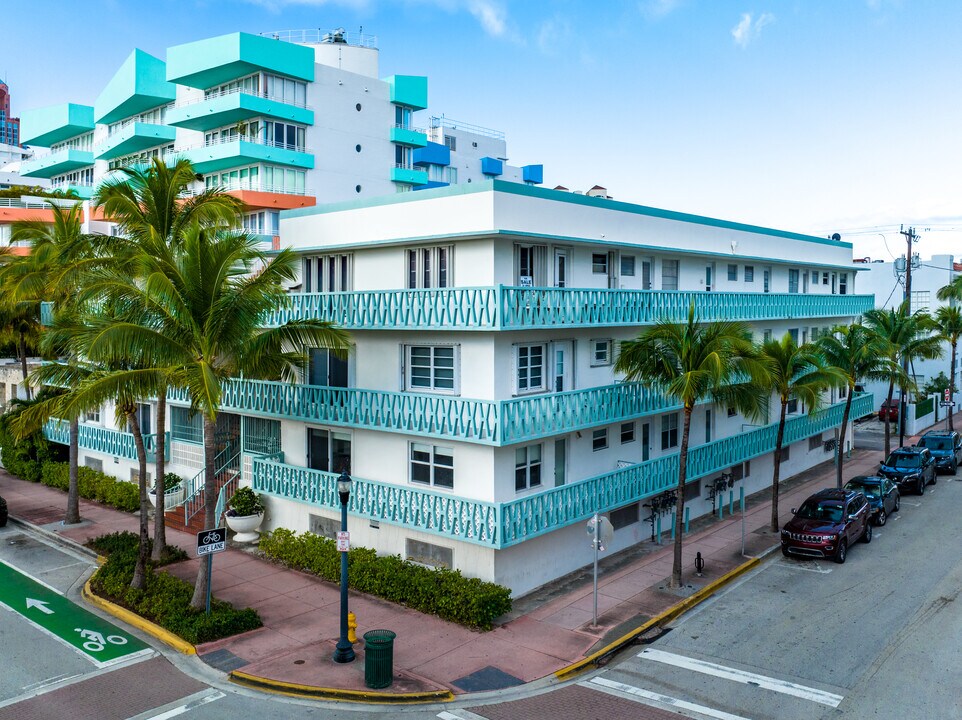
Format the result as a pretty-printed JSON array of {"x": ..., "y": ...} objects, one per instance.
[
  {"x": 172, "y": 497},
  {"x": 245, "y": 527}
]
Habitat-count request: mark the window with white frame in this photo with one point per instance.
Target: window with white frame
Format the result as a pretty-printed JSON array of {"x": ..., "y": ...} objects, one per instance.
[
  {"x": 530, "y": 364},
  {"x": 432, "y": 465},
  {"x": 431, "y": 368},
  {"x": 599, "y": 439},
  {"x": 92, "y": 416},
  {"x": 531, "y": 265},
  {"x": 843, "y": 284},
  {"x": 262, "y": 222},
  {"x": 669, "y": 274},
  {"x": 328, "y": 273},
  {"x": 600, "y": 352},
  {"x": 429, "y": 267},
  {"x": 527, "y": 467},
  {"x": 627, "y": 432},
  {"x": 627, "y": 265},
  {"x": 599, "y": 263},
  {"x": 669, "y": 431}
]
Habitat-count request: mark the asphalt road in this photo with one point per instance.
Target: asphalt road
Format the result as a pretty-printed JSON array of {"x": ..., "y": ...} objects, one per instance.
[{"x": 876, "y": 637}]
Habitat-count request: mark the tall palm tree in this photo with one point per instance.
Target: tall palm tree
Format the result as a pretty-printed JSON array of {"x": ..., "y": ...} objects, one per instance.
[
  {"x": 948, "y": 319},
  {"x": 693, "y": 363},
  {"x": 61, "y": 255},
  {"x": 952, "y": 291},
  {"x": 152, "y": 207},
  {"x": 795, "y": 372},
  {"x": 205, "y": 301},
  {"x": 860, "y": 353},
  {"x": 909, "y": 337}
]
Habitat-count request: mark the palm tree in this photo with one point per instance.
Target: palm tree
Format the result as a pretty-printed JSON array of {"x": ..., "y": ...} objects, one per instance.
[
  {"x": 693, "y": 363},
  {"x": 909, "y": 338},
  {"x": 61, "y": 254},
  {"x": 860, "y": 353},
  {"x": 799, "y": 373},
  {"x": 152, "y": 208},
  {"x": 948, "y": 319},
  {"x": 205, "y": 302}
]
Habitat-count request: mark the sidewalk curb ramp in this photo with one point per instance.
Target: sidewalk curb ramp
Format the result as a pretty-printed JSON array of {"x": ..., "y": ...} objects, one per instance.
[{"x": 668, "y": 615}]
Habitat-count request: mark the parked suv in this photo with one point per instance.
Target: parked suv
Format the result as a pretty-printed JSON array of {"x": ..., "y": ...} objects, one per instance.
[
  {"x": 827, "y": 524},
  {"x": 910, "y": 468},
  {"x": 946, "y": 448}
]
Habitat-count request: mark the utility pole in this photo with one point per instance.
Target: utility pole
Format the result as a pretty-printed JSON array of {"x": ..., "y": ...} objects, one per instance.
[{"x": 910, "y": 237}]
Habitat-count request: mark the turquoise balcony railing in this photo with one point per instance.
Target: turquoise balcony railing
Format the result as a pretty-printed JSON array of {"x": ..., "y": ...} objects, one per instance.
[
  {"x": 500, "y": 525},
  {"x": 105, "y": 440},
  {"x": 513, "y": 308}
]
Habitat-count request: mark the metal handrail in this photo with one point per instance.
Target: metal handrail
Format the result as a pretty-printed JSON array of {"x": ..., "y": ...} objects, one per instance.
[
  {"x": 317, "y": 36},
  {"x": 235, "y": 91},
  {"x": 445, "y": 122},
  {"x": 412, "y": 128},
  {"x": 247, "y": 138},
  {"x": 194, "y": 488}
]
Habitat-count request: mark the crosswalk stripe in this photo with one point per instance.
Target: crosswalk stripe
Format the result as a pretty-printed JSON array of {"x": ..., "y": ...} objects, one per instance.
[
  {"x": 746, "y": 678},
  {"x": 659, "y": 698}
]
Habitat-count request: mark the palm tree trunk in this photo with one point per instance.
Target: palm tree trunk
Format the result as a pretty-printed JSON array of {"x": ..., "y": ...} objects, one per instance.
[
  {"x": 143, "y": 551},
  {"x": 841, "y": 438},
  {"x": 22, "y": 347},
  {"x": 778, "y": 463},
  {"x": 199, "y": 599},
  {"x": 951, "y": 409},
  {"x": 160, "y": 529},
  {"x": 680, "y": 499},
  {"x": 888, "y": 419},
  {"x": 73, "y": 494}
]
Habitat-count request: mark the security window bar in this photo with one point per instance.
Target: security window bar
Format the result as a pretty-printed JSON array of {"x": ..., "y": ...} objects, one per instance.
[{"x": 432, "y": 465}]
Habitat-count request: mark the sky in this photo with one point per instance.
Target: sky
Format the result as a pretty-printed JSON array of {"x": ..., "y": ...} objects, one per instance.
[{"x": 817, "y": 116}]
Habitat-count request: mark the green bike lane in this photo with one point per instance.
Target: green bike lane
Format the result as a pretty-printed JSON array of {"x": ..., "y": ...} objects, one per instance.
[{"x": 102, "y": 642}]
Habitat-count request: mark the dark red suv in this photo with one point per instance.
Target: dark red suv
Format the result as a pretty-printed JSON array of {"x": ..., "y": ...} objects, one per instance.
[{"x": 827, "y": 524}]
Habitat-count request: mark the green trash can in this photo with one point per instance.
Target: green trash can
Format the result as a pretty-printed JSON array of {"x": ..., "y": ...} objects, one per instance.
[{"x": 379, "y": 658}]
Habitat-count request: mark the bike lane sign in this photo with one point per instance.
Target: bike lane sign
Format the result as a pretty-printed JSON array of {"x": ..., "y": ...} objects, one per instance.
[{"x": 45, "y": 608}]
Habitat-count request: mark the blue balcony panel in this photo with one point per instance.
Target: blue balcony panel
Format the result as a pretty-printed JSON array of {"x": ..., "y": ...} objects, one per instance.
[
  {"x": 214, "y": 61},
  {"x": 492, "y": 166},
  {"x": 432, "y": 154},
  {"x": 212, "y": 158},
  {"x": 411, "y": 176},
  {"x": 134, "y": 138},
  {"x": 431, "y": 185},
  {"x": 139, "y": 85},
  {"x": 48, "y": 126},
  {"x": 57, "y": 163},
  {"x": 501, "y": 525},
  {"x": 222, "y": 110},
  {"x": 532, "y": 174}
]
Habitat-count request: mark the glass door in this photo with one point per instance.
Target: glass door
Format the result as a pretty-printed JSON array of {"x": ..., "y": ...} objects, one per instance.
[
  {"x": 560, "y": 268},
  {"x": 709, "y": 272},
  {"x": 560, "y": 460},
  {"x": 562, "y": 358},
  {"x": 645, "y": 441}
]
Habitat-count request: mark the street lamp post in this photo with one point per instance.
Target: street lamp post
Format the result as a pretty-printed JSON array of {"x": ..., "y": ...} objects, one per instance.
[{"x": 344, "y": 652}]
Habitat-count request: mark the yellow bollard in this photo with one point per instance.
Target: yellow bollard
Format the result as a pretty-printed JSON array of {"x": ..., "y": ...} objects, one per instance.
[{"x": 351, "y": 628}]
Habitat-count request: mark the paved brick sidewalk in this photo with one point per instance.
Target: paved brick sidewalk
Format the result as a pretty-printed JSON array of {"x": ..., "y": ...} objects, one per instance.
[{"x": 547, "y": 631}]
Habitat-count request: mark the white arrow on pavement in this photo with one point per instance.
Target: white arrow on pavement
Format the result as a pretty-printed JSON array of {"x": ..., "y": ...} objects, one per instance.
[{"x": 40, "y": 605}]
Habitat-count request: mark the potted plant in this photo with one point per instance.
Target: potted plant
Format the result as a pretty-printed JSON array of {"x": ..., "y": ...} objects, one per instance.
[
  {"x": 173, "y": 491},
  {"x": 3, "y": 512},
  {"x": 244, "y": 514}
]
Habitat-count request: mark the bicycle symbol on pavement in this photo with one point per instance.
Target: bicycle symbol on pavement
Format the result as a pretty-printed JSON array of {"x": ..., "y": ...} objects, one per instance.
[{"x": 96, "y": 641}]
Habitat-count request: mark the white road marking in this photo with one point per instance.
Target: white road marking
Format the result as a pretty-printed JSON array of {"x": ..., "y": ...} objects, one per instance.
[
  {"x": 797, "y": 565},
  {"x": 659, "y": 698},
  {"x": 208, "y": 697},
  {"x": 741, "y": 676},
  {"x": 459, "y": 715}
]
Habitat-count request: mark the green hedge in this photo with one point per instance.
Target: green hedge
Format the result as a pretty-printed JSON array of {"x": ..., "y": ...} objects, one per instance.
[
  {"x": 127, "y": 541},
  {"x": 445, "y": 593},
  {"x": 165, "y": 599},
  {"x": 94, "y": 485},
  {"x": 25, "y": 458},
  {"x": 923, "y": 408}
]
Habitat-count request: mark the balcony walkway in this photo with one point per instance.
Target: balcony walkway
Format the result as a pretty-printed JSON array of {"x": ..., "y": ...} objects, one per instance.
[{"x": 547, "y": 630}]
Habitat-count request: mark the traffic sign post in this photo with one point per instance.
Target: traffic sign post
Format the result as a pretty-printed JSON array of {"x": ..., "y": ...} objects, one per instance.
[
  {"x": 208, "y": 543},
  {"x": 601, "y": 532},
  {"x": 45, "y": 608}
]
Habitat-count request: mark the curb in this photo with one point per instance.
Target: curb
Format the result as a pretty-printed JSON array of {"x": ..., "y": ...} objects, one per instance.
[
  {"x": 671, "y": 613},
  {"x": 165, "y": 636},
  {"x": 360, "y": 696},
  {"x": 53, "y": 537}
]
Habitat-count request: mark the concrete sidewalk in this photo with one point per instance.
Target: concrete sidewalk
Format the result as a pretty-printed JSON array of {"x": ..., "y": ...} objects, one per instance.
[{"x": 547, "y": 631}]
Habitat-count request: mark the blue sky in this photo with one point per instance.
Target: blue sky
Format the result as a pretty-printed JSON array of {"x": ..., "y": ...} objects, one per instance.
[{"x": 810, "y": 115}]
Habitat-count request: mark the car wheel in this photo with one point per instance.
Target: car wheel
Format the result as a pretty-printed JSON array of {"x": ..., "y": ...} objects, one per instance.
[
  {"x": 867, "y": 535},
  {"x": 920, "y": 487},
  {"x": 881, "y": 518},
  {"x": 935, "y": 477},
  {"x": 785, "y": 552},
  {"x": 898, "y": 503},
  {"x": 842, "y": 551},
  {"x": 955, "y": 467}
]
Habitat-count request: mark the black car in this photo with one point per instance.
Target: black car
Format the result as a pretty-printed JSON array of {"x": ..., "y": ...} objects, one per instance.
[
  {"x": 946, "y": 448},
  {"x": 910, "y": 467},
  {"x": 883, "y": 496}
]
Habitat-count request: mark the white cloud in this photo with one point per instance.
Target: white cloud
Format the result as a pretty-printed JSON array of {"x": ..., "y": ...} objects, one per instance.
[
  {"x": 553, "y": 34},
  {"x": 655, "y": 9},
  {"x": 493, "y": 17},
  {"x": 278, "y": 5},
  {"x": 747, "y": 29}
]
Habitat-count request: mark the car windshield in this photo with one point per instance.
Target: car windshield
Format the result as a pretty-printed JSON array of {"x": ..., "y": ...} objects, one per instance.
[
  {"x": 829, "y": 510},
  {"x": 872, "y": 491},
  {"x": 936, "y": 443},
  {"x": 902, "y": 460}
]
